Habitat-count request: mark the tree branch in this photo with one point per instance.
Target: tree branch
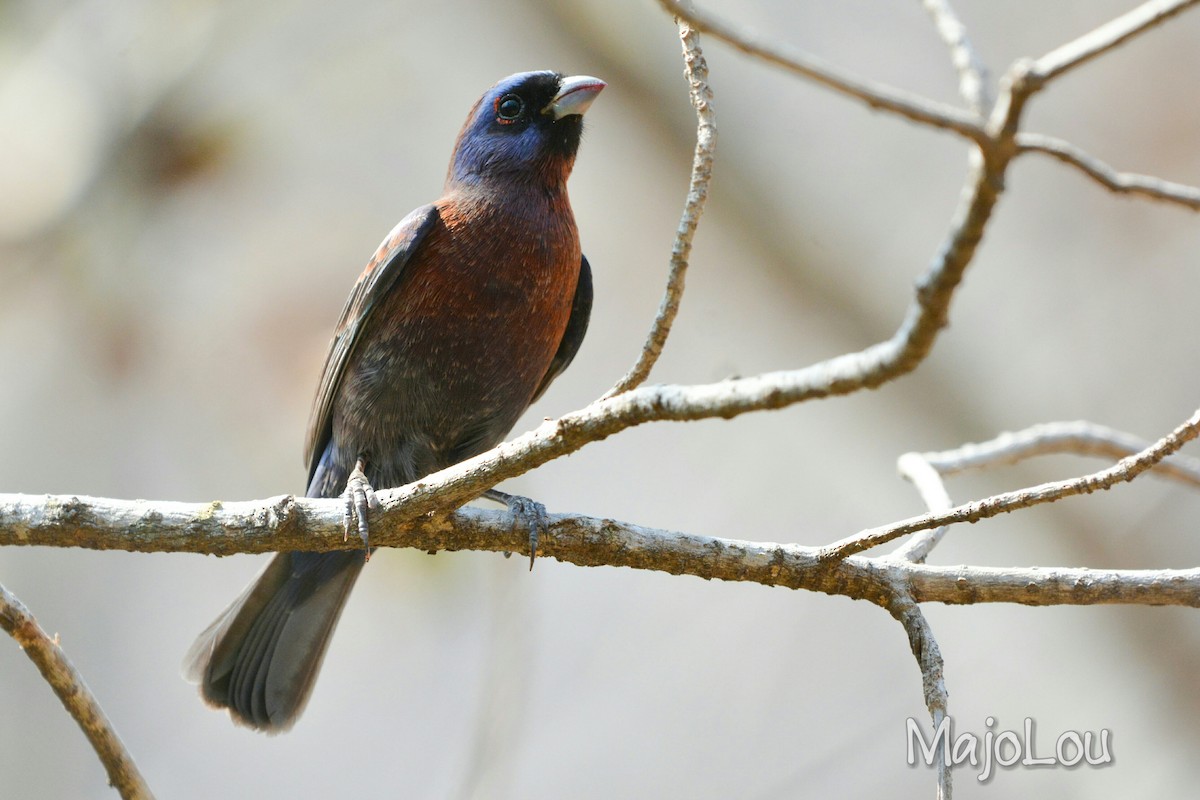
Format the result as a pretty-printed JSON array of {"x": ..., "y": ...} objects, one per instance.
[
  {"x": 1124, "y": 470},
  {"x": 1077, "y": 437},
  {"x": 298, "y": 523},
  {"x": 1108, "y": 36},
  {"x": 972, "y": 74},
  {"x": 702, "y": 160},
  {"x": 927, "y": 470},
  {"x": 933, "y": 681},
  {"x": 68, "y": 684},
  {"x": 876, "y": 95},
  {"x": 932, "y": 489},
  {"x": 1119, "y": 182}
]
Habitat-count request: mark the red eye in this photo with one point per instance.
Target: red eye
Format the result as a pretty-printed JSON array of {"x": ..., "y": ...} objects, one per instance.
[{"x": 509, "y": 108}]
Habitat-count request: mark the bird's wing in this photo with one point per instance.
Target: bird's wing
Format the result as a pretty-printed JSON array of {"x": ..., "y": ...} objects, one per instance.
[
  {"x": 373, "y": 284},
  {"x": 577, "y": 325}
]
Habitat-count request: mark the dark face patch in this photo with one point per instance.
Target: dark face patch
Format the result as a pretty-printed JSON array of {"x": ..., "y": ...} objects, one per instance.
[{"x": 510, "y": 131}]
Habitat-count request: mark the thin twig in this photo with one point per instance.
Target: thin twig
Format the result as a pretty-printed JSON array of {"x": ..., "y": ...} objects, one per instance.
[
  {"x": 696, "y": 70},
  {"x": 926, "y": 470},
  {"x": 1108, "y": 36},
  {"x": 916, "y": 468},
  {"x": 50, "y": 660},
  {"x": 1077, "y": 437},
  {"x": 972, "y": 74},
  {"x": 1119, "y": 182},
  {"x": 876, "y": 95},
  {"x": 933, "y": 680},
  {"x": 1124, "y": 470},
  {"x": 1027, "y": 77}
]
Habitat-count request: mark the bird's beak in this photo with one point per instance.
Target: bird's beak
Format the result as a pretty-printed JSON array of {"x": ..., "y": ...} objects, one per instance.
[{"x": 575, "y": 96}]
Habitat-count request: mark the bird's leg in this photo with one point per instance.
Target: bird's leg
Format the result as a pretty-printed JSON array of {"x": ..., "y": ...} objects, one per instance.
[
  {"x": 359, "y": 496},
  {"x": 531, "y": 512}
]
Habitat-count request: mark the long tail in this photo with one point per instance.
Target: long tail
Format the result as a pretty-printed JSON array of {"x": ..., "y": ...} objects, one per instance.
[{"x": 261, "y": 657}]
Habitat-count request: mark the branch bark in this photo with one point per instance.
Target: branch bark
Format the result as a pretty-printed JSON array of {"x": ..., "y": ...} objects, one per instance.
[
  {"x": 696, "y": 70},
  {"x": 876, "y": 95},
  {"x": 1128, "y": 183},
  {"x": 933, "y": 680},
  {"x": 78, "y": 700},
  {"x": 298, "y": 523},
  {"x": 972, "y": 74},
  {"x": 1108, "y": 36},
  {"x": 1124, "y": 470}
]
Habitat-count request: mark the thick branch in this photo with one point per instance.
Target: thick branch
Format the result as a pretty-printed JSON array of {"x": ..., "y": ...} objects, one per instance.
[
  {"x": 48, "y": 657},
  {"x": 291, "y": 523}
]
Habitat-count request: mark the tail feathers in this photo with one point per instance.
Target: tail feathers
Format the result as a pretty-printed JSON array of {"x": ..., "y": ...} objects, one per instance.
[{"x": 261, "y": 657}]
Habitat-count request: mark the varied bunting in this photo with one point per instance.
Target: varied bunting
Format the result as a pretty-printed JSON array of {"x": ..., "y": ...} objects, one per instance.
[{"x": 466, "y": 313}]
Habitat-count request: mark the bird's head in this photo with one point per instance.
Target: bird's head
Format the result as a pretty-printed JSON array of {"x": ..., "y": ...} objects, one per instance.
[{"x": 526, "y": 126}]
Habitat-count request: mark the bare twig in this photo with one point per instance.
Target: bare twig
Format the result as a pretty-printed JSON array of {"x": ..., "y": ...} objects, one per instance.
[
  {"x": 926, "y": 470},
  {"x": 972, "y": 75},
  {"x": 917, "y": 469},
  {"x": 933, "y": 682},
  {"x": 1124, "y": 470},
  {"x": 876, "y": 95},
  {"x": 702, "y": 161},
  {"x": 1119, "y": 182},
  {"x": 1077, "y": 437},
  {"x": 1108, "y": 36},
  {"x": 48, "y": 657}
]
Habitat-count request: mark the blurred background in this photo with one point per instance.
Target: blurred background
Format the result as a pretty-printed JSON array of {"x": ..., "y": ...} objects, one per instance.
[{"x": 188, "y": 189}]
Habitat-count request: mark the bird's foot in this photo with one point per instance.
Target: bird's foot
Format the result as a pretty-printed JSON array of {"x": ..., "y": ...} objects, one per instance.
[
  {"x": 530, "y": 512},
  {"x": 359, "y": 496}
]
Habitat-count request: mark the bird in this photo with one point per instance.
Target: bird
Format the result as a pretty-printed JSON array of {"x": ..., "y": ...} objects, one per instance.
[{"x": 465, "y": 314}]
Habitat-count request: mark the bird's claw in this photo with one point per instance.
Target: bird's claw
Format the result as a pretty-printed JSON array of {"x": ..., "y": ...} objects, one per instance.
[
  {"x": 359, "y": 497},
  {"x": 531, "y": 512}
]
